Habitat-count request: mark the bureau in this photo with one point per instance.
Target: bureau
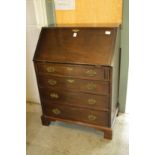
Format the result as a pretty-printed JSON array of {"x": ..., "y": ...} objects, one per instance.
[{"x": 77, "y": 71}]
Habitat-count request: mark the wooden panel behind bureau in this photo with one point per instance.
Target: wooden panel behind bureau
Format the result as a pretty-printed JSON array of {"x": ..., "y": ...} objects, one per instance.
[
  {"x": 52, "y": 96},
  {"x": 96, "y": 87},
  {"x": 93, "y": 13},
  {"x": 85, "y": 71},
  {"x": 78, "y": 114}
]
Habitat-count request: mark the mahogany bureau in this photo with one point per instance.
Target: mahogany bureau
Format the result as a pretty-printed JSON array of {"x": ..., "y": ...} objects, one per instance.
[{"x": 77, "y": 70}]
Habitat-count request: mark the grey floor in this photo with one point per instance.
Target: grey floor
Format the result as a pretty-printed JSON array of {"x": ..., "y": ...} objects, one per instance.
[{"x": 66, "y": 139}]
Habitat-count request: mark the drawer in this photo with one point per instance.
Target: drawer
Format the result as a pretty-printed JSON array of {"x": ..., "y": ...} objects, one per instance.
[
  {"x": 50, "y": 96},
  {"x": 78, "y": 114},
  {"x": 80, "y": 85},
  {"x": 81, "y": 71}
]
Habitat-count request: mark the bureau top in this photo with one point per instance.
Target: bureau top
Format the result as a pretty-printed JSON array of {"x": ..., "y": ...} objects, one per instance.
[{"x": 84, "y": 45}]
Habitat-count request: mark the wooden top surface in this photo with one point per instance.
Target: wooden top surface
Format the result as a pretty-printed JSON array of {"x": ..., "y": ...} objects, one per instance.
[
  {"x": 105, "y": 13},
  {"x": 90, "y": 46}
]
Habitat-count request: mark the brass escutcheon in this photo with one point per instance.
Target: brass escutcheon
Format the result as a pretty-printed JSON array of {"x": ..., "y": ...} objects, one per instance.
[
  {"x": 91, "y": 86},
  {"x": 52, "y": 82},
  {"x": 91, "y": 101},
  {"x": 75, "y": 30},
  {"x": 50, "y": 69},
  {"x": 92, "y": 117},
  {"x": 54, "y": 95},
  {"x": 56, "y": 111},
  {"x": 90, "y": 72},
  {"x": 70, "y": 80}
]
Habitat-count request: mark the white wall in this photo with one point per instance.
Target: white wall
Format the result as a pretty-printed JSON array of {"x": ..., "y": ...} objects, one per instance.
[{"x": 35, "y": 18}]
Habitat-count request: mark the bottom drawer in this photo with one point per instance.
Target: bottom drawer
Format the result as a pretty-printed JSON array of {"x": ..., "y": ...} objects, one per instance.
[{"x": 78, "y": 114}]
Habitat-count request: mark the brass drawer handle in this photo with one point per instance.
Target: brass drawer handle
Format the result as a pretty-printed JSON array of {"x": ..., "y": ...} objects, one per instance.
[
  {"x": 54, "y": 95},
  {"x": 91, "y": 86},
  {"x": 50, "y": 69},
  {"x": 70, "y": 80},
  {"x": 69, "y": 68},
  {"x": 91, "y": 101},
  {"x": 56, "y": 111},
  {"x": 91, "y": 72},
  {"x": 52, "y": 82},
  {"x": 92, "y": 117}
]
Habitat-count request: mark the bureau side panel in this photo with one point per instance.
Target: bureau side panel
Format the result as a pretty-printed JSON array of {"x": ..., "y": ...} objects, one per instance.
[
  {"x": 37, "y": 78},
  {"x": 115, "y": 78}
]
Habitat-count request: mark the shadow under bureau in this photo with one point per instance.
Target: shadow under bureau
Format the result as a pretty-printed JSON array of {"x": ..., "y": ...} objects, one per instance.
[{"x": 77, "y": 70}]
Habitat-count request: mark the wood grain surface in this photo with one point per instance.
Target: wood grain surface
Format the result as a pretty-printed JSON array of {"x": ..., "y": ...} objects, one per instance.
[
  {"x": 91, "y": 46},
  {"x": 76, "y": 85},
  {"x": 51, "y": 96},
  {"x": 76, "y": 71},
  {"x": 78, "y": 114}
]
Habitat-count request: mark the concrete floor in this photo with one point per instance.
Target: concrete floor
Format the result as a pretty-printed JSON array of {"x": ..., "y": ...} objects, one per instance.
[{"x": 66, "y": 139}]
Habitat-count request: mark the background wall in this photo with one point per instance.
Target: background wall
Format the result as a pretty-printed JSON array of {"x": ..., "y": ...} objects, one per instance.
[
  {"x": 124, "y": 57},
  {"x": 40, "y": 14},
  {"x": 50, "y": 12},
  {"x": 35, "y": 19},
  {"x": 32, "y": 33}
]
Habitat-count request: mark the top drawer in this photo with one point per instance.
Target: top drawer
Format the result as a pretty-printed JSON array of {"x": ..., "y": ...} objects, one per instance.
[{"x": 81, "y": 71}]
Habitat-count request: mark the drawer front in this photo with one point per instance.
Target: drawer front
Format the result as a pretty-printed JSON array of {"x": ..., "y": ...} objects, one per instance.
[
  {"x": 51, "y": 96},
  {"x": 90, "y": 86},
  {"x": 78, "y": 114},
  {"x": 88, "y": 72}
]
